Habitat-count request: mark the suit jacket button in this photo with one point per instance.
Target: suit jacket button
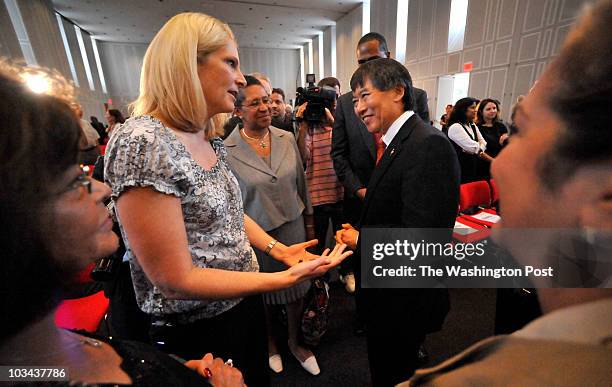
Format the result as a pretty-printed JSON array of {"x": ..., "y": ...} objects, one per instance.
[{"x": 273, "y": 180}]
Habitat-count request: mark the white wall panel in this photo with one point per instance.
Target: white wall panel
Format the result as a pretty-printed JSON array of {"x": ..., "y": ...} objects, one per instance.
[
  {"x": 122, "y": 64},
  {"x": 282, "y": 66},
  {"x": 44, "y": 35},
  {"x": 9, "y": 44},
  {"x": 534, "y": 16},
  {"x": 509, "y": 43},
  {"x": 383, "y": 19},
  {"x": 476, "y": 24},
  {"x": 440, "y": 27},
  {"x": 327, "y": 50},
  {"x": 348, "y": 33},
  {"x": 507, "y": 19}
]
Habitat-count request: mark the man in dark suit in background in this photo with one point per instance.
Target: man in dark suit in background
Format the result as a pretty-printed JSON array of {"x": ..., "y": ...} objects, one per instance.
[{"x": 415, "y": 184}]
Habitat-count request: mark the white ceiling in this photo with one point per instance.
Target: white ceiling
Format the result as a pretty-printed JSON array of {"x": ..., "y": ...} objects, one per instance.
[{"x": 256, "y": 23}]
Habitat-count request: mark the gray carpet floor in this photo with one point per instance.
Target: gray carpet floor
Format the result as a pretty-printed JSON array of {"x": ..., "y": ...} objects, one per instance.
[{"x": 342, "y": 356}]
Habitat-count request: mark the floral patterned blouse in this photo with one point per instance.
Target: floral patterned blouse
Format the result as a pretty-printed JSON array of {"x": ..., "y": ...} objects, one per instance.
[{"x": 145, "y": 153}]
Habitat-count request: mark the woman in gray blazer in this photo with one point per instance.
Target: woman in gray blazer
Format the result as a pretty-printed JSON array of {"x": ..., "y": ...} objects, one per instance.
[{"x": 267, "y": 163}]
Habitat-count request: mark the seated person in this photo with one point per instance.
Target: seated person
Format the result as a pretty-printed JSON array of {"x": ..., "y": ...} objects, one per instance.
[{"x": 53, "y": 224}]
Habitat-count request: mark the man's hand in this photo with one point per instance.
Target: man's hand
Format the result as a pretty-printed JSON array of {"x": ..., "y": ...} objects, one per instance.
[
  {"x": 361, "y": 193},
  {"x": 348, "y": 236}
]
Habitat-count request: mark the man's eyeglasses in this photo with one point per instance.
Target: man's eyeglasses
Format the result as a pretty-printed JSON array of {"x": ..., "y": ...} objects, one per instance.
[{"x": 254, "y": 104}]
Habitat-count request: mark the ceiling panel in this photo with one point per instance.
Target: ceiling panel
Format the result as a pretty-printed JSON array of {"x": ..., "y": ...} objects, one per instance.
[{"x": 262, "y": 24}]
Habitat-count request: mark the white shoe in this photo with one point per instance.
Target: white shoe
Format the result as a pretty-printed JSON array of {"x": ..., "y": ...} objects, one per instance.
[
  {"x": 276, "y": 363},
  {"x": 309, "y": 364},
  {"x": 349, "y": 282}
]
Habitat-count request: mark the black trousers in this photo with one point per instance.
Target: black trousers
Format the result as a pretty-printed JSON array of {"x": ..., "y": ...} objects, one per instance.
[
  {"x": 322, "y": 214},
  {"x": 238, "y": 334},
  {"x": 394, "y": 331}
]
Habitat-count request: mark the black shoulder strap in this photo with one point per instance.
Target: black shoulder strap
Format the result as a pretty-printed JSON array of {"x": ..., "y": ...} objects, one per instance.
[{"x": 473, "y": 135}]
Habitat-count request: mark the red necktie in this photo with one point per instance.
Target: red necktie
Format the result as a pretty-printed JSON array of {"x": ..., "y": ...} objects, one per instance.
[{"x": 380, "y": 146}]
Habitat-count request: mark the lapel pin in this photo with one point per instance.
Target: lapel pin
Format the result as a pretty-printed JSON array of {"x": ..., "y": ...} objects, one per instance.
[{"x": 392, "y": 151}]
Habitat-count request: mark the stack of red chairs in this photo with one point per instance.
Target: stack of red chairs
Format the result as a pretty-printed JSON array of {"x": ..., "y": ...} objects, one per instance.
[{"x": 85, "y": 313}]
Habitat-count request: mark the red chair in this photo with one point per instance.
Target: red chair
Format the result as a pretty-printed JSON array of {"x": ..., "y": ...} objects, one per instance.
[
  {"x": 84, "y": 276},
  {"x": 474, "y": 194},
  {"x": 84, "y": 313},
  {"x": 102, "y": 149},
  {"x": 494, "y": 192}
]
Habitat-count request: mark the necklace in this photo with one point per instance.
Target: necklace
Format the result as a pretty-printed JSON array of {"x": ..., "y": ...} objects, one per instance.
[{"x": 261, "y": 139}]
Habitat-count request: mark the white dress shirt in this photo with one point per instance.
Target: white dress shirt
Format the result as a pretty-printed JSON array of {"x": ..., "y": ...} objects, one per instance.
[
  {"x": 457, "y": 133},
  {"x": 395, "y": 127}
]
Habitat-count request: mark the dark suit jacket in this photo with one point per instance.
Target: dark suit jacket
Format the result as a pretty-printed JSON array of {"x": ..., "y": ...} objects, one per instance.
[
  {"x": 353, "y": 148},
  {"x": 415, "y": 185}
]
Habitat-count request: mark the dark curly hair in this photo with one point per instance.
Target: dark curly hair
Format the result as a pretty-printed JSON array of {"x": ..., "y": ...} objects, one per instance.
[{"x": 458, "y": 115}]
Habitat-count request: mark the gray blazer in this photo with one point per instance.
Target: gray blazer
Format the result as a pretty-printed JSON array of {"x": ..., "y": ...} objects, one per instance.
[{"x": 271, "y": 196}]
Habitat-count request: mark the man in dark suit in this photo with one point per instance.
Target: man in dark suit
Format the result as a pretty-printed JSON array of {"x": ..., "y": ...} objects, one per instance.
[
  {"x": 354, "y": 148},
  {"x": 415, "y": 184}
]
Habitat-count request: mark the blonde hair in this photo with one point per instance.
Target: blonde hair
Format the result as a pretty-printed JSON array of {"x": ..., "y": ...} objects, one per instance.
[{"x": 169, "y": 84}]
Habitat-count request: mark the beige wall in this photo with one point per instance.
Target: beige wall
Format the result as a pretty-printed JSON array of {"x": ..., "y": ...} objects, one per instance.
[
  {"x": 44, "y": 37},
  {"x": 509, "y": 43},
  {"x": 348, "y": 33}
]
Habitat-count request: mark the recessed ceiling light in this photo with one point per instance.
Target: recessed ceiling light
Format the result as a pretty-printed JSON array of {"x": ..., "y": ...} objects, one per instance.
[
  {"x": 261, "y": 28},
  {"x": 280, "y": 24},
  {"x": 118, "y": 29},
  {"x": 250, "y": 8},
  {"x": 105, "y": 17},
  {"x": 267, "y": 17}
]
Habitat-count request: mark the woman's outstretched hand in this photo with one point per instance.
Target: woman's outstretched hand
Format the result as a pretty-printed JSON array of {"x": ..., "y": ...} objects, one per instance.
[
  {"x": 291, "y": 255},
  {"x": 320, "y": 265}
]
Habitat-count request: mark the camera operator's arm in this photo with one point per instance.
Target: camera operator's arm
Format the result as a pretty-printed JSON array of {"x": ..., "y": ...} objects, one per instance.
[{"x": 301, "y": 135}]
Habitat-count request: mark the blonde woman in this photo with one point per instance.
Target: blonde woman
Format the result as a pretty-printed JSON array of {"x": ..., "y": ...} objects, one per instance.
[{"x": 179, "y": 206}]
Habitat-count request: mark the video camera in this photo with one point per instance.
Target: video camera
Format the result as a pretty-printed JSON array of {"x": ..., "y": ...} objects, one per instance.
[{"x": 318, "y": 99}]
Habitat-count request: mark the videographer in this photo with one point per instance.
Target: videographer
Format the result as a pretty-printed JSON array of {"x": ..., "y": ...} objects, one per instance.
[{"x": 315, "y": 118}]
